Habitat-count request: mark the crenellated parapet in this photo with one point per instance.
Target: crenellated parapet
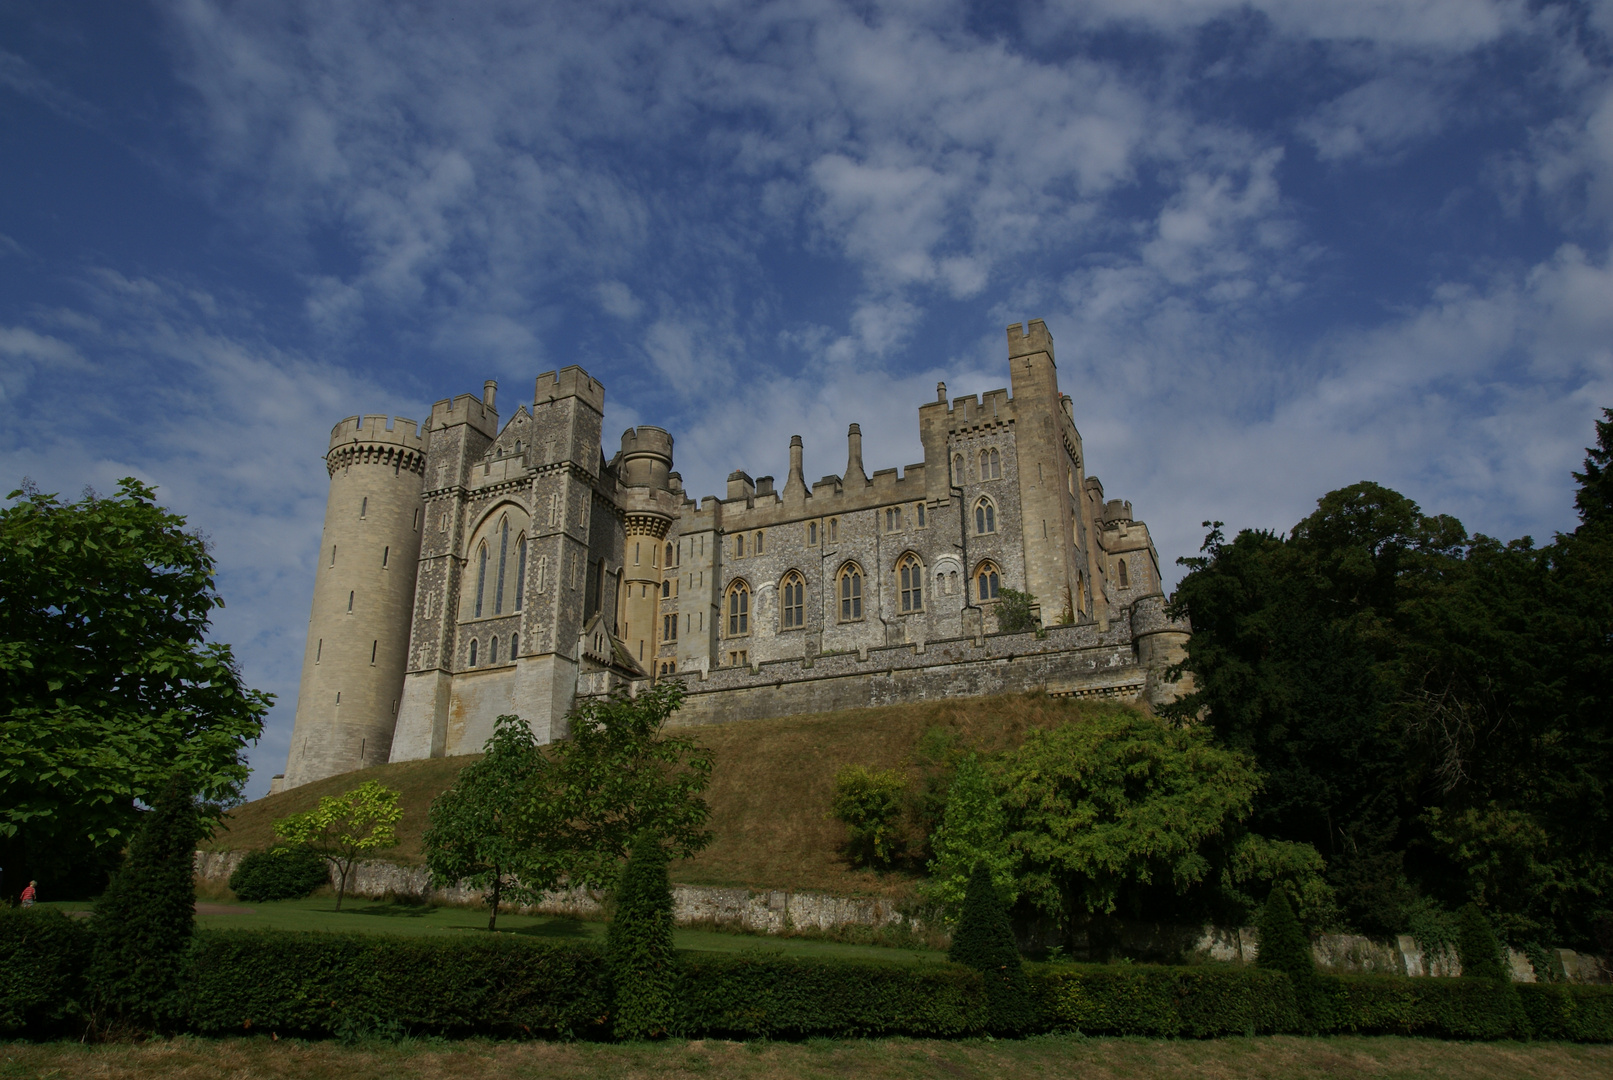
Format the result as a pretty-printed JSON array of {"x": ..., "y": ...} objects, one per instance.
[{"x": 370, "y": 440}]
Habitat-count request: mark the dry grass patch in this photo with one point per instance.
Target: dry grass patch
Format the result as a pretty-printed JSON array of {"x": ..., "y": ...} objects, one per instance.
[
  {"x": 770, "y": 790},
  {"x": 1276, "y": 1058}
]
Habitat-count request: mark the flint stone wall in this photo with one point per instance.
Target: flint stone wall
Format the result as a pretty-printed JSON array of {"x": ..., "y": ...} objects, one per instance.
[{"x": 773, "y": 911}]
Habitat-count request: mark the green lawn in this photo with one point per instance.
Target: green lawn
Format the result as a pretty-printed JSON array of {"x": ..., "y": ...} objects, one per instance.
[
  {"x": 1046, "y": 1058},
  {"x": 378, "y": 917}
]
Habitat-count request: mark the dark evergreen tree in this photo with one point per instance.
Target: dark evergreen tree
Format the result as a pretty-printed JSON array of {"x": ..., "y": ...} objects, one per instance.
[
  {"x": 145, "y": 919},
  {"x": 1285, "y": 947},
  {"x": 638, "y": 944},
  {"x": 984, "y": 940},
  {"x": 1476, "y": 946}
]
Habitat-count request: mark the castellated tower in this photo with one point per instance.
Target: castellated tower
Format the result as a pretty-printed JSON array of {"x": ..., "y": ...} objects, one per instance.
[{"x": 358, "y": 631}]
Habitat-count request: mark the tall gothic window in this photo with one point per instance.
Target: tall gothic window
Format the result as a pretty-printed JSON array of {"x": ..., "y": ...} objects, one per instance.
[
  {"x": 515, "y": 646},
  {"x": 492, "y": 651},
  {"x": 520, "y": 577},
  {"x": 481, "y": 577},
  {"x": 957, "y": 470},
  {"x": 851, "y": 593},
  {"x": 669, "y": 555},
  {"x": 739, "y": 545},
  {"x": 812, "y": 532},
  {"x": 738, "y": 609},
  {"x": 666, "y": 589},
  {"x": 472, "y": 652},
  {"x": 834, "y": 530},
  {"x": 758, "y": 546},
  {"x": 991, "y": 464},
  {"x": 911, "y": 573},
  {"x": 503, "y": 554},
  {"x": 985, "y": 517},
  {"x": 1120, "y": 569},
  {"x": 989, "y": 581},
  {"x": 792, "y": 602}
]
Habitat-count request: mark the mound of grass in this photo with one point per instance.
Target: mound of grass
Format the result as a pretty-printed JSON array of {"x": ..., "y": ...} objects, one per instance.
[{"x": 770, "y": 792}]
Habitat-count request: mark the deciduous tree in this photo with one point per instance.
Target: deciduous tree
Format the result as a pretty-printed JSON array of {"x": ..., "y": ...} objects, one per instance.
[{"x": 344, "y": 827}]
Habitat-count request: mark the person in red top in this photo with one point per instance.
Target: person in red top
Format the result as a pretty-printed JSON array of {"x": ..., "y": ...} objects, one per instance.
[{"x": 28, "y": 894}]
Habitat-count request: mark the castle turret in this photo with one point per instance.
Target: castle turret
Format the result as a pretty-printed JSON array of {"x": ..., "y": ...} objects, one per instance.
[
  {"x": 358, "y": 631},
  {"x": 649, "y": 506}
]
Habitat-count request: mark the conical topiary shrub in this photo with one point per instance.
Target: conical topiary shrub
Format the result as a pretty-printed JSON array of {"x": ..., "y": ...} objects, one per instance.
[
  {"x": 1285, "y": 947},
  {"x": 984, "y": 940},
  {"x": 145, "y": 919},
  {"x": 638, "y": 944},
  {"x": 1477, "y": 948}
]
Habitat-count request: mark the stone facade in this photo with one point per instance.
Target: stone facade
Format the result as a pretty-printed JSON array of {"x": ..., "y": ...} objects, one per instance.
[{"x": 545, "y": 573}]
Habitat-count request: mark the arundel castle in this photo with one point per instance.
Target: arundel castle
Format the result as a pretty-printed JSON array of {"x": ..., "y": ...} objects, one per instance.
[{"x": 471, "y": 568}]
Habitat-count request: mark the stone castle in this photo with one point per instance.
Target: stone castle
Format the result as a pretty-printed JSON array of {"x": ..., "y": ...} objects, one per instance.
[{"x": 470, "y": 569}]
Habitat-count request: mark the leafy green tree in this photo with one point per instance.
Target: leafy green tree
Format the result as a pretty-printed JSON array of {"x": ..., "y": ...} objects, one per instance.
[
  {"x": 618, "y": 775},
  {"x": 145, "y": 919},
  {"x": 344, "y": 827},
  {"x": 1101, "y": 810},
  {"x": 278, "y": 874},
  {"x": 972, "y": 834},
  {"x": 1014, "y": 612},
  {"x": 984, "y": 940},
  {"x": 639, "y": 947},
  {"x": 1285, "y": 947},
  {"x": 484, "y": 830},
  {"x": 1258, "y": 865},
  {"x": 108, "y": 684},
  {"x": 1477, "y": 948},
  {"x": 869, "y": 802}
]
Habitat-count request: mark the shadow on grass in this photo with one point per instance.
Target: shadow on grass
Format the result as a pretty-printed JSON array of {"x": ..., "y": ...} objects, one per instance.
[
  {"x": 568, "y": 929},
  {"x": 388, "y": 910}
]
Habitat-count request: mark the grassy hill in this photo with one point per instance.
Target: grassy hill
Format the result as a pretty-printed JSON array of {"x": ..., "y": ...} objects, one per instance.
[{"x": 770, "y": 790}]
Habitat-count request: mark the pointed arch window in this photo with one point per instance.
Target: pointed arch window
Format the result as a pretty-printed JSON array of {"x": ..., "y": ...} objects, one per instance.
[
  {"x": 481, "y": 578},
  {"x": 792, "y": 602},
  {"x": 988, "y": 581},
  {"x": 985, "y": 517},
  {"x": 739, "y": 545},
  {"x": 910, "y": 574},
  {"x": 957, "y": 470},
  {"x": 668, "y": 561},
  {"x": 515, "y": 646},
  {"x": 1120, "y": 569},
  {"x": 756, "y": 548},
  {"x": 492, "y": 651},
  {"x": 738, "y": 609},
  {"x": 520, "y": 577},
  {"x": 503, "y": 556},
  {"x": 851, "y": 593},
  {"x": 666, "y": 589},
  {"x": 991, "y": 464},
  {"x": 472, "y": 652}
]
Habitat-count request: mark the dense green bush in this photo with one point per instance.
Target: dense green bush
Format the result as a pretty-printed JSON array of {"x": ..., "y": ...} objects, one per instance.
[
  {"x": 43, "y": 954},
  {"x": 1285, "y": 947},
  {"x": 638, "y": 946},
  {"x": 322, "y": 984},
  {"x": 1573, "y": 1013},
  {"x": 1141, "y": 999},
  {"x": 279, "y": 874},
  {"x": 984, "y": 940},
  {"x": 1442, "y": 1008},
  {"x": 773, "y": 997},
  {"x": 1477, "y": 948}
]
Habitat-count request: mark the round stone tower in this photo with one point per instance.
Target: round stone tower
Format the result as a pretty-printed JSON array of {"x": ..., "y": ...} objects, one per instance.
[
  {"x": 645, "y": 476},
  {"x": 358, "y": 632}
]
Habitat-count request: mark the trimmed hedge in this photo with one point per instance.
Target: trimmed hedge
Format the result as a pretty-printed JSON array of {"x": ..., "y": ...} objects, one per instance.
[
  {"x": 43, "y": 954},
  {"x": 1142, "y": 999},
  {"x": 1441, "y": 1008},
  {"x": 338, "y": 984},
  {"x": 1571, "y": 1013},
  {"x": 774, "y": 997},
  {"x": 289, "y": 874}
]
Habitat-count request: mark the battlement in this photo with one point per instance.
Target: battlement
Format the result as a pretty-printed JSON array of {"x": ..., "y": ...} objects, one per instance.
[
  {"x": 647, "y": 441},
  {"x": 1116, "y": 511},
  {"x": 465, "y": 409},
  {"x": 646, "y": 457},
  {"x": 1033, "y": 339},
  {"x": 971, "y": 410},
  {"x": 570, "y": 381},
  {"x": 398, "y": 431}
]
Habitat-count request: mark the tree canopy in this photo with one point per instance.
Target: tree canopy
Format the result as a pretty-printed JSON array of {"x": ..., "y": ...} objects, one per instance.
[
  {"x": 108, "y": 684},
  {"x": 344, "y": 827}
]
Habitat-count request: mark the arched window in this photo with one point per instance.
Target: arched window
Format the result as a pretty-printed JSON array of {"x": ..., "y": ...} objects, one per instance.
[
  {"x": 952, "y": 584},
  {"x": 758, "y": 548},
  {"x": 1120, "y": 569},
  {"x": 669, "y": 555},
  {"x": 911, "y": 574},
  {"x": 503, "y": 553},
  {"x": 834, "y": 530},
  {"x": 792, "y": 602},
  {"x": 520, "y": 576},
  {"x": 666, "y": 589},
  {"x": 738, "y": 609},
  {"x": 492, "y": 651},
  {"x": 481, "y": 577},
  {"x": 515, "y": 646},
  {"x": 739, "y": 545},
  {"x": 472, "y": 652},
  {"x": 851, "y": 593},
  {"x": 988, "y": 581},
  {"x": 957, "y": 470},
  {"x": 985, "y": 517},
  {"x": 991, "y": 464}
]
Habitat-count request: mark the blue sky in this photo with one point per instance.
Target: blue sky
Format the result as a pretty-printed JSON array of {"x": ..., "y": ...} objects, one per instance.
[{"x": 1282, "y": 245}]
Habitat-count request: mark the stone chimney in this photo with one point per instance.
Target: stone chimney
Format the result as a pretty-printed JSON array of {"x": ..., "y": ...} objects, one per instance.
[
  {"x": 854, "y": 457},
  {"x": 795, "y": 484},
  {"x": 489, "y": 392}
]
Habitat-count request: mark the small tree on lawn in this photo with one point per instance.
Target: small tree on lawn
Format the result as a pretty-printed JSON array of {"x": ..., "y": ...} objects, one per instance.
[
  {"x": 971, "y": 834},
  {"x": 482, "y": 829},
  {"x": 1285, "y": 947},
  {"x": 638, "y": 944},
  {"x": 984, "y": 940},
  {"x": 343, "y": 827},
  {"x": 145, "y": 919},
  {"x": 869, "y": 801}
]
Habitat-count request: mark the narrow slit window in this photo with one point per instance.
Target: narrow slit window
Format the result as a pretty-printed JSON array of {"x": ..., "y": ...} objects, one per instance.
[
  {"x": 492, "y": 651},
  {"x": 472, "y": 652},
  {"x": 918, "y": 510},
  {"x": 319, "y": 650},
  {"x": 374, "y": 645},
  {"x": 481, "y": 578},
  {"x": 515, "y": 646},
  {"x": 386, "y": 553},
  {"x": 350, "y": 602},
  {"x": 364, "y": 507},
  {"x": 333, "y": 554},
  {"x": 1120, "y": 569},
  {"x": 503, "y": 551},
  {"x": 520, "y": 577},
  {"x": 758, "y": 548}
]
